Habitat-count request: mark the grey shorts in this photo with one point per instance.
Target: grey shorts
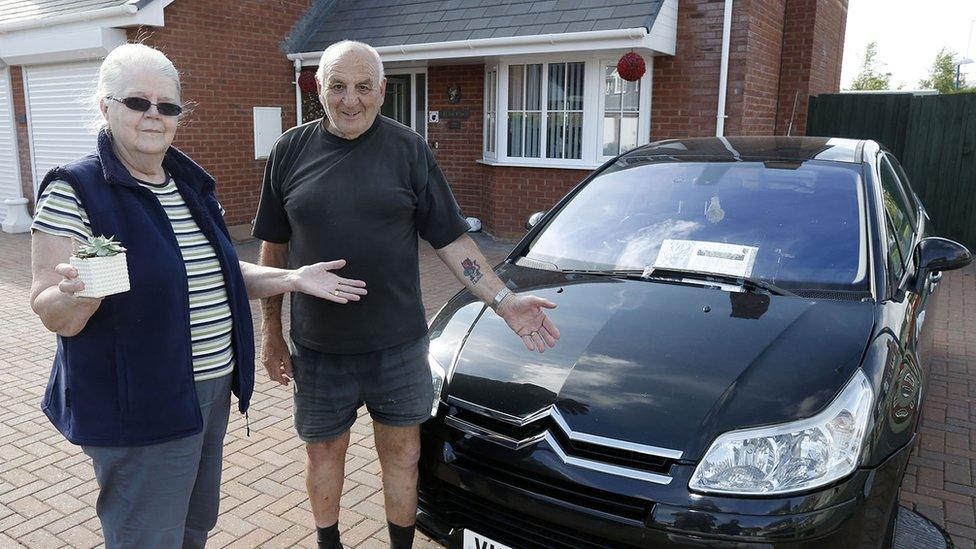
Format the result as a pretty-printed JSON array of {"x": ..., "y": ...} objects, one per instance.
[{"x": 394, "y": 383}]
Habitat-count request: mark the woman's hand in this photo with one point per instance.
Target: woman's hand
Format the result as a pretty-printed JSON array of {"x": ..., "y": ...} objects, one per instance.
[
  {"x": 70, "y": 283},
  {"x": 318, "y": 280},
  {"x": 55, "y": 284}
]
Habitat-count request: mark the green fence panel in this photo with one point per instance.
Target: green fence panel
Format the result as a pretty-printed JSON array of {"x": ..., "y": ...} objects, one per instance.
[
  {"x": 881, "y": 117},
  {"x": 933, "y": 136}
]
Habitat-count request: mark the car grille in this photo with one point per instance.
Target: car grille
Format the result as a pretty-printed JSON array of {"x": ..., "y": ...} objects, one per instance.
[
  {"x": 466, "y": 510},
  {"x": 516, "y": 434},
  {"x": 624, "y": 507}
]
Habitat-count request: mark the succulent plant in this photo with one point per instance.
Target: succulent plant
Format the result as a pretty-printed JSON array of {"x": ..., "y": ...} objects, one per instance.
[{"x": 99, "y": 246}]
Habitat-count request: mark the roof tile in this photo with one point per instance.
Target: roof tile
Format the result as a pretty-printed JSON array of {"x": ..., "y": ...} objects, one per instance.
[{"x": 388, "y": 22}]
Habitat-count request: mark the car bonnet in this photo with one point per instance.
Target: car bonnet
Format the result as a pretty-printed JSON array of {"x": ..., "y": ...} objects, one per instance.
[{"x": 663, "y": 364}]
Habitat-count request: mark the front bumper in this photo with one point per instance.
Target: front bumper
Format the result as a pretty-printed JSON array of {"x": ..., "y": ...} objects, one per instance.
[{"x": 525, "y": 501}]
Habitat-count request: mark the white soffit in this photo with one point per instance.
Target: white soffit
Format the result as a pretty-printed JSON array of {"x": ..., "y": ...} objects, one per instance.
[{"x": 74, "y": 37}]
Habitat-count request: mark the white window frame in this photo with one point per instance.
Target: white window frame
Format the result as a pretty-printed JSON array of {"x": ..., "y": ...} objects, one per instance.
[
  {"x": 643, "y": 105},
  {"x": 592, "y": 153},
  {"x": 486, "y": 138},
  {"x": 588, "y": 154}
]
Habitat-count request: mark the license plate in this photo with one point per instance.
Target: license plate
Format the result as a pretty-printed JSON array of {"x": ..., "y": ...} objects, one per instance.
[{"x": 474, "y": 540}]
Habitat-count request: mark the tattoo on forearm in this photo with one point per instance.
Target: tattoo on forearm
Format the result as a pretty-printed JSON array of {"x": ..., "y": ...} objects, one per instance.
[{"x": 472, "y": 270}]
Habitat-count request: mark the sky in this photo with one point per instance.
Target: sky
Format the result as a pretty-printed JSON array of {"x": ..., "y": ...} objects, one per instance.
[{"x": 909, "y": 34}]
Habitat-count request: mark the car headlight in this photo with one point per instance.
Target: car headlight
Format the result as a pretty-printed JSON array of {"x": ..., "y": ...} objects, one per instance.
[
  {"x": 437, "y": 374},
  {"x": 790, "y": 457}
]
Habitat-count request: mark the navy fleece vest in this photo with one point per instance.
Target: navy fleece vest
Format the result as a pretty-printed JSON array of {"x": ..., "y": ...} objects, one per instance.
[{"x": 127, "y": 378}]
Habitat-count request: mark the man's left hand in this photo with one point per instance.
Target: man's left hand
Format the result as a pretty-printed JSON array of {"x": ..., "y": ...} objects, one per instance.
[{"x": 525, "y": 316}]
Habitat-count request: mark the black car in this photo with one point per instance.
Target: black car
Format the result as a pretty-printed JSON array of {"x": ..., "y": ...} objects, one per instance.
[{"x": 739, "y": 365}]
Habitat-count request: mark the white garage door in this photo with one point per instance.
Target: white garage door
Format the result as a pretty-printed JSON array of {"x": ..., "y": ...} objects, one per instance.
[
  {"x": 9, "y": 170},
  {"x": 58, "y": 113}
]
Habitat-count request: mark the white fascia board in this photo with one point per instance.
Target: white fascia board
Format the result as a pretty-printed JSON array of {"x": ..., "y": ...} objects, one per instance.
[
  {"x": 664, "y": 32},
  {"x": 55, "y": 46},
  {"x": 74, "y": 37},
  {"x": 636, "y": 38}
]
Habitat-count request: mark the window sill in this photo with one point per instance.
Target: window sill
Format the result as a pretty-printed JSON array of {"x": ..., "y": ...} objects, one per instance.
[{"x": 543, "y": 165}]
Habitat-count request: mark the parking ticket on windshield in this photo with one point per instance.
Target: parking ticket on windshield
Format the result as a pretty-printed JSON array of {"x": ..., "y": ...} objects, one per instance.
[{"x": 706, "y": 257}]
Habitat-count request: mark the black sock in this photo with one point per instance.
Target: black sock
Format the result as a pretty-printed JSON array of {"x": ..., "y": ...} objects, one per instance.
[
  {"x": 401, "y": 537},
  {"x": 329, "y": 537}
]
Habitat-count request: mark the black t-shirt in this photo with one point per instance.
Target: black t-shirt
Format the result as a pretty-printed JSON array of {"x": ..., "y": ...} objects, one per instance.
[{"x": 364, "y": 200}]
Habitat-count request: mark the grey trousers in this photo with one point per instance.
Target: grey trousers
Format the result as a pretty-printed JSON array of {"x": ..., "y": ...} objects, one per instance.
[{"x": 165, "y": 495}]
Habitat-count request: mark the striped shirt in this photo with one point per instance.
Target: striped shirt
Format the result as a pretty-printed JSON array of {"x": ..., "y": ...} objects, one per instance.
[{"x": 60, "y": 213}]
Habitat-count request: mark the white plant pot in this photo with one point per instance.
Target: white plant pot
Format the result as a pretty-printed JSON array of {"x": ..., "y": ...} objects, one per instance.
[{"x": 102, "y": 275}]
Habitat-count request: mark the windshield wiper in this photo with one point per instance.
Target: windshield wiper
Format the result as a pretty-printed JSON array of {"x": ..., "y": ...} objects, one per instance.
[{"x": 747, "y": 282}]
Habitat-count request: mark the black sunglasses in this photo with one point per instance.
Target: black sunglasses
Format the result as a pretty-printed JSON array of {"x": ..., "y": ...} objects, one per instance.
[{"x": 142, "y": 105}]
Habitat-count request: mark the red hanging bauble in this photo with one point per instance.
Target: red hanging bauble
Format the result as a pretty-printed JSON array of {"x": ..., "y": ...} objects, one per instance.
[
  {"x": 306, "y": 82},
  {"x": 631, "y": 67}
]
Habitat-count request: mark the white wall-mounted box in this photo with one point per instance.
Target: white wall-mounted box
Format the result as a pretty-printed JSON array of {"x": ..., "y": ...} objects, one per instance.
[{"x": 267, "y": 130}]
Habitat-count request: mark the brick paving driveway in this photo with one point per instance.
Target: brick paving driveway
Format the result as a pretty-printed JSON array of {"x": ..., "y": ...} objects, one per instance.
[{"x": 47, "y": 490}]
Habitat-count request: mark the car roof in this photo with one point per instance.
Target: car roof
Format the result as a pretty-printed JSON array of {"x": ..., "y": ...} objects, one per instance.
[{"x": 756, "y": 149}]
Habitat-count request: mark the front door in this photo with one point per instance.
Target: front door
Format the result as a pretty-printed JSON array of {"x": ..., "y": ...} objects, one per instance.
[
  {"x": 406, "y": 100},
  {"x": 397, "y": 104}
]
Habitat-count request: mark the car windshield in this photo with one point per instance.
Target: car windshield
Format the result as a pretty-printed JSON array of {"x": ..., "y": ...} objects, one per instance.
[{"x": 798, "y": 225}]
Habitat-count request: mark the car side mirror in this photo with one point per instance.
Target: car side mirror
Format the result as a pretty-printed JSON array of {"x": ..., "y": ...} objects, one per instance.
[
  {"x": 534, "y": 220},
  {"x": 941, "y": 254},
  {"x": 937, "y": 254}
]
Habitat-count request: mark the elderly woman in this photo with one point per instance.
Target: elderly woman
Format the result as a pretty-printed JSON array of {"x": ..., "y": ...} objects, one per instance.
[{"x": 142, "y": 379}]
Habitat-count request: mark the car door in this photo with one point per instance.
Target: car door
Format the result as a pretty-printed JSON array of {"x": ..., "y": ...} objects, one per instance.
[
  {"x": 901, "y": 306},
  {"x": 925, "y": 306}
]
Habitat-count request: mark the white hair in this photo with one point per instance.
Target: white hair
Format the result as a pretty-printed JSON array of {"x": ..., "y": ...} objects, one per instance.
[
  {"x": 113, "y": 75},
  {"x": 337, "y": 50}
]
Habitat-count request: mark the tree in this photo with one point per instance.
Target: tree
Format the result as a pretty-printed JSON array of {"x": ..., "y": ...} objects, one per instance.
[
  {"x": 942, "y": 75},
  {"x": 871, "y": 77}
]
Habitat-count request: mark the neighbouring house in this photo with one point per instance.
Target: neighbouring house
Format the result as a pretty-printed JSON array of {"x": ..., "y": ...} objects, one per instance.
[
  {"x": 519, "y": 99},
  {"x": 234, "y": 73}
]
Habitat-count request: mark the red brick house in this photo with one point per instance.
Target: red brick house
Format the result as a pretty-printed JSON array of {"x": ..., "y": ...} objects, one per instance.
[{"x": 519, "y": 99}]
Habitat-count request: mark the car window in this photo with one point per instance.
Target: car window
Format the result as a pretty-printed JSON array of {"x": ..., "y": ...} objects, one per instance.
[
  {"x": 895, "y": 263},
  {"x": 898, "y": 208},
  {"x": 906, "y": 188},
  {"x": 906, "y": 185},
  {"x": 803, "y": 223}
]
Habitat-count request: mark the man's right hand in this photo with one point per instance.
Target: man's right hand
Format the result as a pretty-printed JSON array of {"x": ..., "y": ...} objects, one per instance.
[{"x": 276, "y": 358}]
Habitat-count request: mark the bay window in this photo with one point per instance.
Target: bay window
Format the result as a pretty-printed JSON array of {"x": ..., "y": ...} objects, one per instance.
[
  {"x": 562, "y": 111},
  {"x": 524, "y": 110},
  {"x": 564, "y": 138}
]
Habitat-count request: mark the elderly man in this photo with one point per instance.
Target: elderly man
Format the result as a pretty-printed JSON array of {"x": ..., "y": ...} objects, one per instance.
[{"x": 361, "y": 187}]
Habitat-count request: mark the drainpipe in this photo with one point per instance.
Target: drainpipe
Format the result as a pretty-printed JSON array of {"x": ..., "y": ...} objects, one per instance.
[
  {"x": 298, "y": 93},
  {"x": 723, "y": 77}
]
